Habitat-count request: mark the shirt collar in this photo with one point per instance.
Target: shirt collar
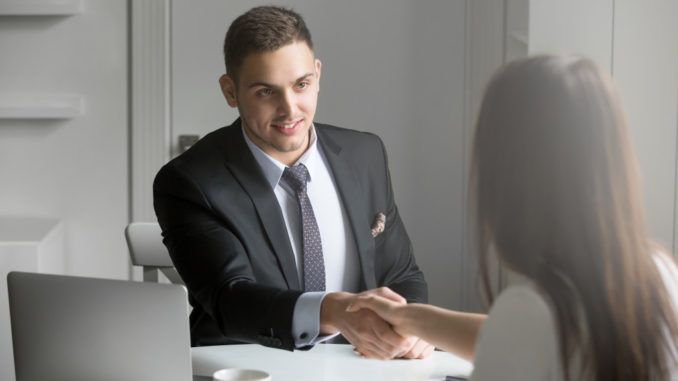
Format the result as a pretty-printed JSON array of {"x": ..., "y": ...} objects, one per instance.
[{"x": 273, "y": 169}]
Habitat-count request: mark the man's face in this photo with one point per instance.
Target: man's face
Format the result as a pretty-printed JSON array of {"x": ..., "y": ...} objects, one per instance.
[{"x": 276, "y": 95}]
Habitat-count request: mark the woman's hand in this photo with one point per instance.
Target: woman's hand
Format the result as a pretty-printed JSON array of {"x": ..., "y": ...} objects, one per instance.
[{"x": 395, "y": 313}]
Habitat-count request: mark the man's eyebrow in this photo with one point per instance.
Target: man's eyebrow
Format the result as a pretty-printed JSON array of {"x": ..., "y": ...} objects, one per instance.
[
  {"x": 304, "y": 77},
  {"x": 264, "y": 84},
  {"x": 255, "y": 84}
]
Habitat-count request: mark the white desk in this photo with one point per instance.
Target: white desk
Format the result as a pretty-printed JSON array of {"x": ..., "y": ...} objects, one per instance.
[{"x": 324, "y": 362}]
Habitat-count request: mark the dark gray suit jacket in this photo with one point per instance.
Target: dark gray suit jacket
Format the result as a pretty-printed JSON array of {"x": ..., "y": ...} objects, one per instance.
[{"x": 227, "y": 238}]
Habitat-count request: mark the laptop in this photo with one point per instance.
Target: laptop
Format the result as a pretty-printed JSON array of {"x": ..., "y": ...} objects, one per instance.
[{"x": 73, "y": 328}]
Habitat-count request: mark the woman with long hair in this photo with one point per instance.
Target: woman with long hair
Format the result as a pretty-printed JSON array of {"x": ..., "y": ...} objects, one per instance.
[{"x": 557, "y": 198}]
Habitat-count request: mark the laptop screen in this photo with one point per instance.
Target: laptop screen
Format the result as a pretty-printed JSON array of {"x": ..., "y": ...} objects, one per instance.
[{"x": 73, "y": 328}]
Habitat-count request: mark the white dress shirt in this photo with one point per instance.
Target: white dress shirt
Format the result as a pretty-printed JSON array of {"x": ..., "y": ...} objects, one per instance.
[{"x": 342, "y": 269}]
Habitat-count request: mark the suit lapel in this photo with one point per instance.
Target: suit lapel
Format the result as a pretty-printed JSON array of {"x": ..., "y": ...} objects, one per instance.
[
  {"x": 351, "y": 189},
  {"x": 245, "y": 169}
]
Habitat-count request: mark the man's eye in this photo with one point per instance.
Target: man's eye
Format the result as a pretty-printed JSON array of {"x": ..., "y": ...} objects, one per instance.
[
  {"x": 264, "y": 92},
  {"x": 302, "y": 85}
]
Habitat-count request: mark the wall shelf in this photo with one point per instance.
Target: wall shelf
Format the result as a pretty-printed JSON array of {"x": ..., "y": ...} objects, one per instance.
[
  {"x": 40, "y": 106},
  {"x": 40, "y": 7}
]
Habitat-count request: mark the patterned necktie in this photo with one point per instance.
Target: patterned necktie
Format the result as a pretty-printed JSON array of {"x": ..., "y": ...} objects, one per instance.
[{"x": 314, "y": 265}]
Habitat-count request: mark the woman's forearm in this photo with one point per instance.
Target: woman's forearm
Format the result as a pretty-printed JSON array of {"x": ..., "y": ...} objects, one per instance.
[{"x": 452, "y": 331}]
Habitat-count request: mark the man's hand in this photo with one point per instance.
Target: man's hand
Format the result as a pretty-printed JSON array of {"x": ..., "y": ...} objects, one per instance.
[
  {"x": 370, "y": 334},
  {"x": 391, "y": 310}
]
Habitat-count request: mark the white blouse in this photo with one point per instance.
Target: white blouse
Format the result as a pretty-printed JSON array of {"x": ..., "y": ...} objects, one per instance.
[{"x": 519, "y": 339}]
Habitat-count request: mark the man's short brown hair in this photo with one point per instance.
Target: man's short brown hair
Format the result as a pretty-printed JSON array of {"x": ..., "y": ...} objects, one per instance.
[{"x": 262, "y": 29}]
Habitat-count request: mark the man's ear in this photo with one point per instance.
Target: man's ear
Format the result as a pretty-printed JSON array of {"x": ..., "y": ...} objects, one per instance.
[
  {"x": 228, "y": 89},
  {"x": 318, "y": 66}
]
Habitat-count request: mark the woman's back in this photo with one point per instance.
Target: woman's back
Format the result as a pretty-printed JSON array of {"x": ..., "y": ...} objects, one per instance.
[
  {"x": 559, "y": 200},
  {"x": 519, "y": 339}
]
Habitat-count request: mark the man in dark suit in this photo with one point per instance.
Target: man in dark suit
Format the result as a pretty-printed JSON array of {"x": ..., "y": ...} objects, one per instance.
[{"x": 275, "y": 223}]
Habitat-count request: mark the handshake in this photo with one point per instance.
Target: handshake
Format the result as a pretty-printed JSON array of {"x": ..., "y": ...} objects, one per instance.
[{"x": 367, "y": 328}]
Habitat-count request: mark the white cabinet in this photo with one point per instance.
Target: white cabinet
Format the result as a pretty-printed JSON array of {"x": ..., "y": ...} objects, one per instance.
[{"x": 26, "y": 244}]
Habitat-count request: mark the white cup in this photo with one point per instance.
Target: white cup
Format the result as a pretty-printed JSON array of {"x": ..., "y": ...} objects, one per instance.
[{"x": 240, "y": 375}]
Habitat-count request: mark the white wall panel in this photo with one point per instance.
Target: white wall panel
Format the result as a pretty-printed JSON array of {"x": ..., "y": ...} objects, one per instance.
[
  {"x": 485, "y": 53},
  {"x": 574, "y": 26},
  {"x": 150, "y": 105},
  {"x": 645, "y": 68}
]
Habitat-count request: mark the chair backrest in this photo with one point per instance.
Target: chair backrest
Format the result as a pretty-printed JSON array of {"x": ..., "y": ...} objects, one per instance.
[{"x": 144, "y": 240}]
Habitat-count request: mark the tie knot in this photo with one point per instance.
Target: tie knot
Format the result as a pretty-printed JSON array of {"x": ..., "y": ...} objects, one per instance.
[{"x": 296, "y": 176}]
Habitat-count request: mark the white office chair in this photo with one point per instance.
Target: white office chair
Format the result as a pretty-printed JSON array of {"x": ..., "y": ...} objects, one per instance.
[{"x": 146, "y": 249}]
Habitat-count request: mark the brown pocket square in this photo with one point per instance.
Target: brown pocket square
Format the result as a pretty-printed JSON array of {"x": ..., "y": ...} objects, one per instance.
[{"x": 378, "y": 224}]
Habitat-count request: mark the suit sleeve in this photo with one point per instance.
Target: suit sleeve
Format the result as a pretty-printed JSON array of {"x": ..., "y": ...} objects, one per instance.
[
  {"x": 395, "y": 265},
  {"x": 215, "y": 266}
]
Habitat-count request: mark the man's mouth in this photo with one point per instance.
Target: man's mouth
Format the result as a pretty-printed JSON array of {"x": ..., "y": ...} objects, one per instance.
[{"x": 288, "y": 127}]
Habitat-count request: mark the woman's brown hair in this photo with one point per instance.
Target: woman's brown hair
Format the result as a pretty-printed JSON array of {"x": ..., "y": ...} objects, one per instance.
[{"x": 558, "y": 199}]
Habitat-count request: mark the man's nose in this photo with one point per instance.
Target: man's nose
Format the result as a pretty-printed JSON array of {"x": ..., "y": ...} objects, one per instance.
[{"x": 288, "y": 103}]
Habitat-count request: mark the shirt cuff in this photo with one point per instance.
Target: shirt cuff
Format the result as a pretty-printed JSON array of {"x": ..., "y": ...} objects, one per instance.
[{"x": 306, "y": 320}]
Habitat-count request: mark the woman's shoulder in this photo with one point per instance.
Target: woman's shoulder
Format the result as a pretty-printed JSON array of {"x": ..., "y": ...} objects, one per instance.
[
  {"x": 668, "y": 271},
  {"x": 522, "y": 308},
  {"x": 667, "y": 267},
  {"x": 522, "y": 297},
  {"x": 518, "y": 340}
]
